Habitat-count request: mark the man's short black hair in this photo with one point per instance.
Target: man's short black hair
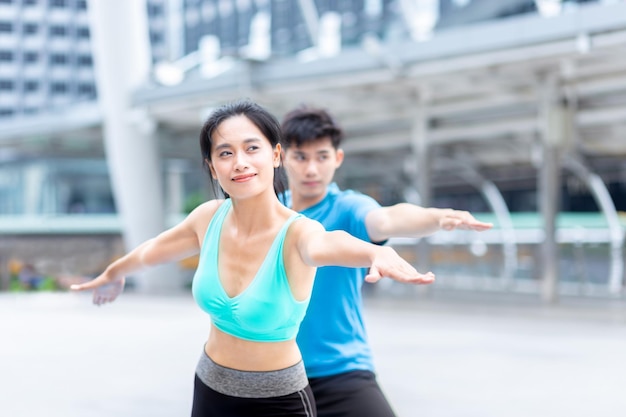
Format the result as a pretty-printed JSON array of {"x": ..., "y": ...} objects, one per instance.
[{"x": 308, "y": 124}]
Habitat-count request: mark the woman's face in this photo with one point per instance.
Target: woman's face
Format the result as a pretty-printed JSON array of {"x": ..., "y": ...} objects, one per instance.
[{"x": 242, "y": 158}]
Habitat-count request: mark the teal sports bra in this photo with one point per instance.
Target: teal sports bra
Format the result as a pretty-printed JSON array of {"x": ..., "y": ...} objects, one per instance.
[{"x": 266, "y": 310}]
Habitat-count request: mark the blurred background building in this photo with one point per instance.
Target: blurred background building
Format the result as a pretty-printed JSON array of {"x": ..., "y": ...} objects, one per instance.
[{"x": 512, "y": 109}]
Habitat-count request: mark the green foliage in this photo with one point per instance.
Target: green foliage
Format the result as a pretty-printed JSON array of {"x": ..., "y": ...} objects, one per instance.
[
  {"x": 193, "y": 200},
  {"x": 15, "y": 286},
  {"x": 48, "y": 283}
]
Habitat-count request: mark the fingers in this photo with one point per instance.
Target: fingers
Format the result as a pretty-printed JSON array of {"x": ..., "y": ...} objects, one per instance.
[
  {"x": 86, "y": 286},
  {"x": 99, "y": 299},
  {"x": 464, "y": 221},
  {"x": 373, "y": 275},
  {"x": 421, "y": 279},
  {"x": 108, "y": 293},
  {"x": 449, "y": 223},
  {"x": 403, "y": 273},
  {"x": 417, "y": 278},
  {"x": 100, "y": 281},
  {"x": 104, "y": 290},
  {"x": 427, "y": 278}
]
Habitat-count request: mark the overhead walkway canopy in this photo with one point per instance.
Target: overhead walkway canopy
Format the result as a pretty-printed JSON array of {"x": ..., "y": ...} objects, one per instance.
[
  {"x": 479, "y": 86},
  {"x": 507, "y": 100},
  {"x": 519, "y": 97}
]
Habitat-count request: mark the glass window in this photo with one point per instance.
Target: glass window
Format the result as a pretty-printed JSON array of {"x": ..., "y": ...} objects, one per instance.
[
  {"x": 82, "y": 187},
  {"x": 84, "y": 61},
  {"x": 58, "y": 31},
  {"x": 6, "y": 85},
  {"x": 155, "y": 10},
  {"x": 30, "y": 28},
  {"x": 156, "y": 38},
  {"x": 82, "y": 32},
  {"x": 31, "y": 56},
  {"x": 6, "y": 27},
  {"x": 58, "y": 87},
  {"x": 6, "y": 56},
  {"x": 58, "y": 59},
  {"x": 11, "y": 192},
  {"x": 86, "y": 89},
  {"x": 31, "y": 85}
]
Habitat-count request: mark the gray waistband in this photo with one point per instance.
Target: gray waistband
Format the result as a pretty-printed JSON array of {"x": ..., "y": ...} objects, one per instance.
[{"x": 250, "y": 384}]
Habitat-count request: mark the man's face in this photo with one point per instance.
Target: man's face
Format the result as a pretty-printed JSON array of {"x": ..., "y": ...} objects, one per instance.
[{"x": 311, "y": 168}]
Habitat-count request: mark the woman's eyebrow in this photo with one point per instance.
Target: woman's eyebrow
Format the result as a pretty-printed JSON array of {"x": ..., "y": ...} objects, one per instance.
[{"x": 229, "y": 145}]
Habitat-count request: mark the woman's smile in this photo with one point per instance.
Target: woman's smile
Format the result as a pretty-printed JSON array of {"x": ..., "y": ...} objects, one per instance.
[{"x": 243, "y": 178}]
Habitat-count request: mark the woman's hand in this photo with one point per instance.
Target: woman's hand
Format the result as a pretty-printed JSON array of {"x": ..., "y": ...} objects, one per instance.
[
  {"x": 105, "y": 289},
  {"x": 389, "y": 264}
]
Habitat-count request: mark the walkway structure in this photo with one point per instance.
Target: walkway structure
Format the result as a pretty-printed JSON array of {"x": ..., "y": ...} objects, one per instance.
[
  {"x": 508, "y": 101},
  {"x": 527, "y": 96}
]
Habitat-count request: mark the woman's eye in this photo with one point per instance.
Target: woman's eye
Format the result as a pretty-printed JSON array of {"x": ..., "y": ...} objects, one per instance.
[
  {"x": 224, "y": 153},
  {"x": 253, "y": 148}
]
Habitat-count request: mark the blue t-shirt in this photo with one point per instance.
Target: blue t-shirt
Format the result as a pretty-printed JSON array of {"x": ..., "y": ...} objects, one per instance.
[{"x": 332, "y": 336}]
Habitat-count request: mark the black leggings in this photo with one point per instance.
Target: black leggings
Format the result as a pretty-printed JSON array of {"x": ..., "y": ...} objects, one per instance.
[
  {"x": 210, "y": 403},
  {"x": 351, "y": 394}
]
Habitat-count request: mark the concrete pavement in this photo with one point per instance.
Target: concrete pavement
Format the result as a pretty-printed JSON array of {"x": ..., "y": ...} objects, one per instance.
[{"x": 462, "y": 355}]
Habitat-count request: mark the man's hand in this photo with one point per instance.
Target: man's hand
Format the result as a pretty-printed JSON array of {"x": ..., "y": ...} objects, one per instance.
[{"x": 458, "y": 219}]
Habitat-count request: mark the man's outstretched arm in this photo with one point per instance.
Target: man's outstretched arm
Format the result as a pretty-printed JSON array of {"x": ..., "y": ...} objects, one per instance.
[{"x": 409, "y": 220}]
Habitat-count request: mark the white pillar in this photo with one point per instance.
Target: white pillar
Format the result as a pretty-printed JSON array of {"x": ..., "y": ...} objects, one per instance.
[
  {"x": 552, "y": 135},
  {"x": 176, "y": 169},
  {"x": 121, "y": 52},
  {"x": 422, "y": 154}
]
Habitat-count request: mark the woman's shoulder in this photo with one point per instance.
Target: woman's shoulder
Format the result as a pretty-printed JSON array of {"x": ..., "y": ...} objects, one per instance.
[
  {"x": 304, "y": 225},
  {"x": 201, "y": 216},
  {"x": 208, "y": 207}
]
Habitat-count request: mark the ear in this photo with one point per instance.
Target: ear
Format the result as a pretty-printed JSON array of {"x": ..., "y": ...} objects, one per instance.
[
  {"x": 339, "y": 158},
  {"x": 211, "y": 169},
  {"x": 278, "y": 152}
]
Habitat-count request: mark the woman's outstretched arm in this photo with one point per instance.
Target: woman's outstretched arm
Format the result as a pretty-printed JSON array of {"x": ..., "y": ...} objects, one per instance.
[
  {"x": 179, "y": 242},
  {"x": 318, "y": 247}
]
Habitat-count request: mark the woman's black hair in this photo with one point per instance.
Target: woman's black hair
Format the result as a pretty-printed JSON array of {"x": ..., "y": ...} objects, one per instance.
[{"x": 260, "y": 117}]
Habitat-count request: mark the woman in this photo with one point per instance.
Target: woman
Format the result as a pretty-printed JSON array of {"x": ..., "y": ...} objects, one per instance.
[{"x": 255, "y": 275}]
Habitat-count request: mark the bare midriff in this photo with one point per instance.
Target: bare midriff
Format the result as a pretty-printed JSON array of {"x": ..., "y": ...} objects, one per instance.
[{"x": 244, "y": 355}]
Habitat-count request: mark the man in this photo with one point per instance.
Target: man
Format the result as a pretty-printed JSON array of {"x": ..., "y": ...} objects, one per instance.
[{"x": 332, "y": 337}]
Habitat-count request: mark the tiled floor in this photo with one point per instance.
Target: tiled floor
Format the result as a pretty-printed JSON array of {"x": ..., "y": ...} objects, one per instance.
[{"x": 443, "y": 356}]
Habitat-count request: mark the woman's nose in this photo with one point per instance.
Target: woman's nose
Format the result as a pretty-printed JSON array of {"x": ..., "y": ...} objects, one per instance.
[{"x": 241, "y": 161}]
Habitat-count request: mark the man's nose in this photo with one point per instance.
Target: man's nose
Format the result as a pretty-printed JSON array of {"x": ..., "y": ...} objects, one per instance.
[{"x": 311, "y": 168}]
